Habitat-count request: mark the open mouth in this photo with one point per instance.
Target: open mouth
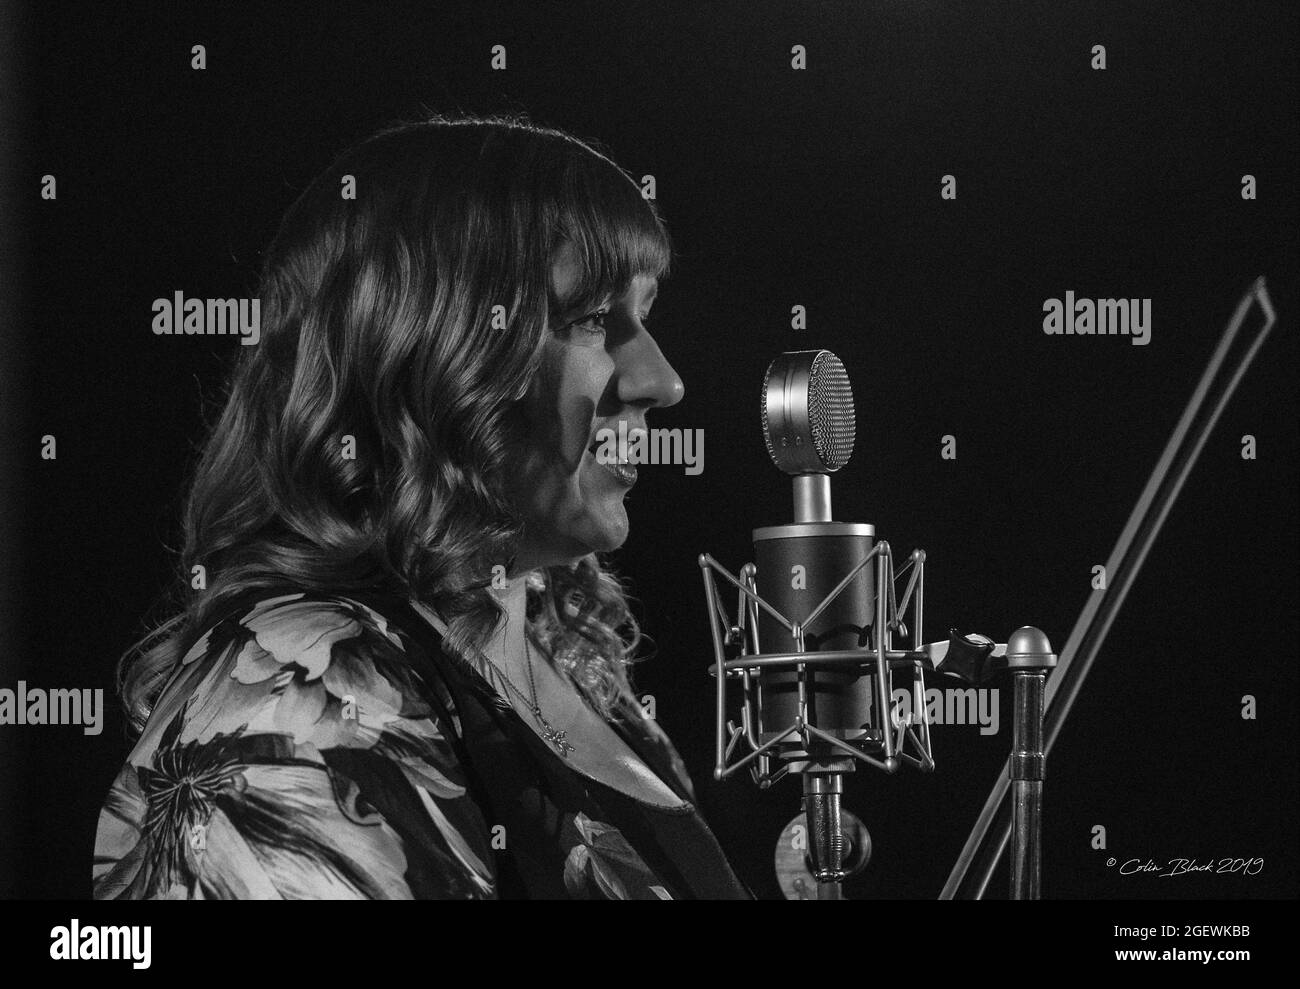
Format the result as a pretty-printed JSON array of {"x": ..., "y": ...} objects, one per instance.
[{"x": 624, "y": 473}]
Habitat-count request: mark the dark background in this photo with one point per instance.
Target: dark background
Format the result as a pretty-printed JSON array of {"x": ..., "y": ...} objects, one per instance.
[{"x": 818, "y": 188}]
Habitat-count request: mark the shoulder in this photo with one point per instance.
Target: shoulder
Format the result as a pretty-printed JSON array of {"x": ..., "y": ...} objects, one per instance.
[{"x": 295, "y": 754}]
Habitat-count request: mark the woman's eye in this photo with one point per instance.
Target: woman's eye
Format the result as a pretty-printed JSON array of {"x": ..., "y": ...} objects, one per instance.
[{"x": 593, "y": 324}]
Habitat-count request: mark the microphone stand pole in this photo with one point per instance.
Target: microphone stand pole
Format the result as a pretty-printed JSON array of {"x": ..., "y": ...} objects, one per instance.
[
  {"x": 989, "y": 838},
  {"x": 1030, "y": 657}
]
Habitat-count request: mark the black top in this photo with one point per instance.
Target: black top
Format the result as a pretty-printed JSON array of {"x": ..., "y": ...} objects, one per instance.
[{"x": 526, "y": 785}]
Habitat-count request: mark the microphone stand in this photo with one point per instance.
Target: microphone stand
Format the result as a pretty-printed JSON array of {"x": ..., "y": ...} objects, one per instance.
[
  {"x": 992, "y": 831},
  {"x": 821, "y": 757},
  {"x": 1030, "y": 657}
]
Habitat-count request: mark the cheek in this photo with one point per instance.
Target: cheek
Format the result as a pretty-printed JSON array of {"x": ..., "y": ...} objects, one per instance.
[
  {"x": 550, "y": 478},
  {"x": 564, "y": 415}
]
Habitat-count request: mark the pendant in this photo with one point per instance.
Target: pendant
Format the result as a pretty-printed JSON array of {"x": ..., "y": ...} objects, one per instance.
[{"x": 556, "y": 738}]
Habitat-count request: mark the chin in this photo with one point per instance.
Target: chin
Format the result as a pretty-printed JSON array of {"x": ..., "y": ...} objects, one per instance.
[
  {"x": 608, "y": 532},
  {"x": 609, "y": 539}
]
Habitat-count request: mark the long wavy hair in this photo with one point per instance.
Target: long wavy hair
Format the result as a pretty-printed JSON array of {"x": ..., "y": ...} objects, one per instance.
[{"x": 378, "y": 324}]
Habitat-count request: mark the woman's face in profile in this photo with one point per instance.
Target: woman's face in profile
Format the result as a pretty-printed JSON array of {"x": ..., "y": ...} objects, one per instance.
[{"x": 598, "y": 368}]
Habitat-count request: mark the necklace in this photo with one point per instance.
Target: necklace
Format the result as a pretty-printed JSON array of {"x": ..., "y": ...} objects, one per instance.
[{"x": 555, "y": 737}]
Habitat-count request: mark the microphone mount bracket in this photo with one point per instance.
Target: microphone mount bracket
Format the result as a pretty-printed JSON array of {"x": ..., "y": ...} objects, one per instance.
[
  {"x": 882, "y": 748},
  {"x": 819, "y": 756}
]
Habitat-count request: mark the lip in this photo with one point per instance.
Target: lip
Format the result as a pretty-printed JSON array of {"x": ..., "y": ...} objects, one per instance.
[{"x": 624, "y": 474}]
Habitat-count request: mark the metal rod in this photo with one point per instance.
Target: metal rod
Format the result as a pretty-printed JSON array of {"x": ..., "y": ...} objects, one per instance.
[
  {"x": 720, "y": 706},
  {"x": 1027, "y": 773},
  {"x": 829, "y": 598},
  {"x": 1122, "y": 568},
  {"x": 753, "y": 709},
  {"x": 918, "y": 686},
  {"x": 706, "y": 560},
  {"x": 831, "y": 657},
  {"x": 927, "y": 760},
  {"x": 812, "y": 498},
  {"x": 913, "y": 585},
  {"x": 837, "y": 743},
  {"x": 723, "y": 771},
  {"x": 882, "y": 660}
]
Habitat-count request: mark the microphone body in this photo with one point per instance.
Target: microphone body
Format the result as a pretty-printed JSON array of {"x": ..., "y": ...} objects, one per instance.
[
  {"x": 809, "y": 427},
  {"x": 797, "y": 566}
]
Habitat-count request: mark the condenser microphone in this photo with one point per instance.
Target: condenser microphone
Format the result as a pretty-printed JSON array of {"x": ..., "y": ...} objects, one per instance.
[
  {"x": 808, "y": 425},
  {"x": 809, "y": 429},
  {"x": 813, "y": 643},
  {"x": 813, "y": 647},
  {"x": 815, "y": 622}
]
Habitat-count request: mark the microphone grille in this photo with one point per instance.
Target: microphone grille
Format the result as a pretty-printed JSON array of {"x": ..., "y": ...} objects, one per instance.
[
  {"x": 808, "y": 418},
  {"x": 767, "y": 424},
  {"x": 830, "y": 410}
]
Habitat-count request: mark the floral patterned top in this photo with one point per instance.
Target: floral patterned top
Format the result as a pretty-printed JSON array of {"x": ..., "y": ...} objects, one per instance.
[{"x": 312, "y": 746}]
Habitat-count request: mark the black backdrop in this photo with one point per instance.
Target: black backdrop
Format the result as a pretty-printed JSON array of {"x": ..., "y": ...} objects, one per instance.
[{"x": 781, "y": 187}]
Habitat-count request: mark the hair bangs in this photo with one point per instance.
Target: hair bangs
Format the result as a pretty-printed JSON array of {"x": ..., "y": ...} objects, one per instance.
[{"x": 618, "y": 234}]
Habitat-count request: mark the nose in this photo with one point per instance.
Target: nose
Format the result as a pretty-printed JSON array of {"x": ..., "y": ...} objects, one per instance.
[{"x": 644, "y": 375}]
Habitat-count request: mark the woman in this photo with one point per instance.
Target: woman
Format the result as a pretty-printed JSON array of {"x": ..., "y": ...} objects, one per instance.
[{"x": 404, "y": 670}]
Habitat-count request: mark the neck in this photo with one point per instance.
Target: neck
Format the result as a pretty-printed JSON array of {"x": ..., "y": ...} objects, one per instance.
[{"x": 507, "y": 640}]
